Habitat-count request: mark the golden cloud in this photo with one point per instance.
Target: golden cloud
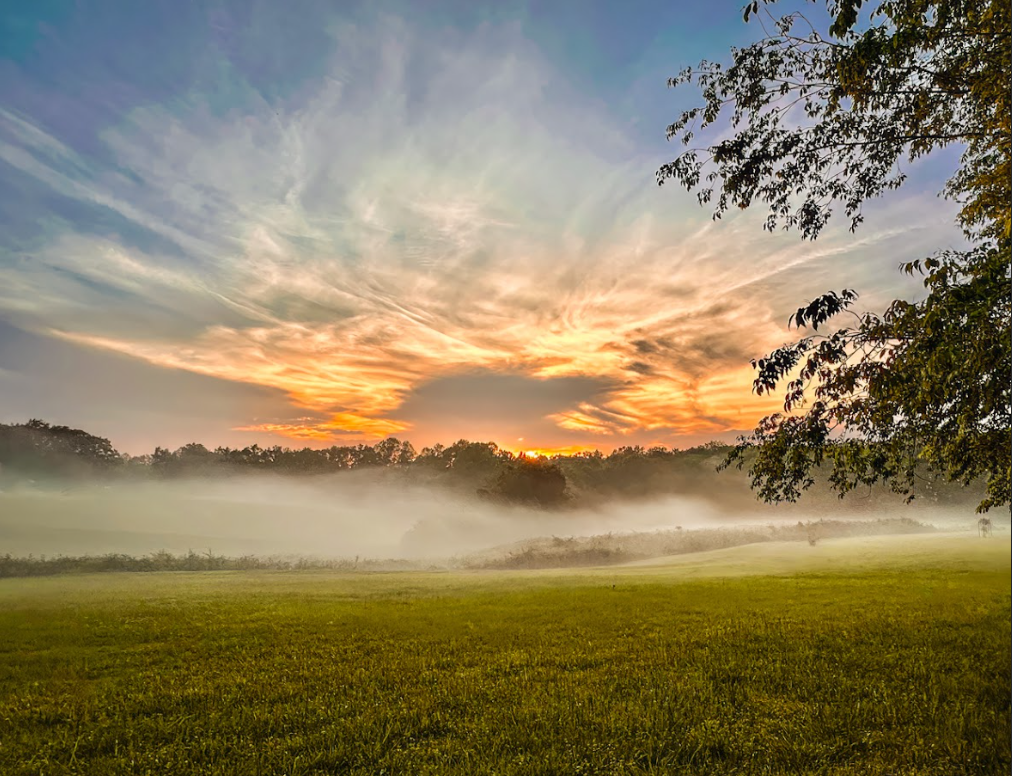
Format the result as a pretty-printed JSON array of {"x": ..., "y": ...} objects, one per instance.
[{"x": 331, "y": 429}]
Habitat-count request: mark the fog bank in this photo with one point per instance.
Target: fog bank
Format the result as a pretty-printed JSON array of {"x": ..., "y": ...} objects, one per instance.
[{"x": 353, "y": 514}]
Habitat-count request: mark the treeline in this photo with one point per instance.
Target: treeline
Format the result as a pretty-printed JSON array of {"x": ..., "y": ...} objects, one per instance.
[
  {"x": 40, "y": 451},
  {"x": 540, "y": 553},
  {"x": 43, "y": 566},
  {"x": 602, "y": 550}
]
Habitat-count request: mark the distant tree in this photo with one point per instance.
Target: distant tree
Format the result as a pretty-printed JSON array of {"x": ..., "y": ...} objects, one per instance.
[
  {"x": 393, "y": 452},
  {"x": 364, "y": 456},
  {"x": 339, "y": 457},
  {"x": 194, "y": 458},
  {"x": 162, "y": 460},
  {"x": 824, "y": 119},
  {"x": 406, "y": 455},
  {"x": 44, "y": 448},
  {"x": 137, "y": 462},
  {"x": 431, "y": 458},
  {"x": 533, "y": 481},
  {"x": 472, "y": 462}
]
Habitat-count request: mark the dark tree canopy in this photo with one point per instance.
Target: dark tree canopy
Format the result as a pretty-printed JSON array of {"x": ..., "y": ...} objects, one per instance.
[
  {"x": 823, "y": 121},
  {"x": 38, "y": 447},
  {"x": 534, "y": 481}
]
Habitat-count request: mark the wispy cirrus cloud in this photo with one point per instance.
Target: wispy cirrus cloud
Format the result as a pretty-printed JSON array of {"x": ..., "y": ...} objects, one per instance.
[{"x": 433, "y": 205}]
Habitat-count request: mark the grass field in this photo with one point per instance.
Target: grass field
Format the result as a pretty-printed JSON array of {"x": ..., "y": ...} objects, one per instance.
[{"x": 865, "y": 656}]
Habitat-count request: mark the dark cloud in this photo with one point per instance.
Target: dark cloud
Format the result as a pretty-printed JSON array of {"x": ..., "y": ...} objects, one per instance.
[
  {"x": 498, "y": 405},
  {"x": 695, "y": 352},
  {"x": 488, "y": 394},
  {"x": 644, "y": 346},
  {"x": 718, "y": 349}
]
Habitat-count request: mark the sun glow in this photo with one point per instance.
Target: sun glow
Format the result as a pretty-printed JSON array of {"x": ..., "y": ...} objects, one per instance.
[{"x": 548, "y": 452}]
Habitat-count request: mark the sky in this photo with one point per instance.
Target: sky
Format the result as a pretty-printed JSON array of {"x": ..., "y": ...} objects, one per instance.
[{"x": 329, "y": 223}]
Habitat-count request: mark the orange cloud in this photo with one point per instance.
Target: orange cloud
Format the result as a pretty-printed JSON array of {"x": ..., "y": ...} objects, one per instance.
[
  {"x": 594, "y": 420},
  {"x": 671, "y": 371},
  {"x": 330, "y": 430}
]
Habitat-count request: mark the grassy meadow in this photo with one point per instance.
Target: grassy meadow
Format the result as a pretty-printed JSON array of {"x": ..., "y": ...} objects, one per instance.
[{"x": 878, "y": 655}]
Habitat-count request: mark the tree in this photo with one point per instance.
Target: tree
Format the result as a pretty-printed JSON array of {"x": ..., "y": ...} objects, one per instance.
[
  {"x": 533, "y": 481},
  {"x": 822, "y": 121},
  {"x": 393, "y": 452},
  {"x": 473, "y": 462},
  {"x": 42, "y": 447},
  {"x": 194, "y": 458}
]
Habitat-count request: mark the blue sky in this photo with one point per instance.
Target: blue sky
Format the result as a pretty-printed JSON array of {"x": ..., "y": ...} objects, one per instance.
[{"x": 331, "y": 222}]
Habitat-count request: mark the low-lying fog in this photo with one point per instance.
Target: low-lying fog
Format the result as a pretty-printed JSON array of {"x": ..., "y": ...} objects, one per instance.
[{"x": 349, "y": 515}]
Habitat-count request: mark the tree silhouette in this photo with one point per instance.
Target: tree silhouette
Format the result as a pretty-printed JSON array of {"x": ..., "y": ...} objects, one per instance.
[
  {"x": 534, "y": 481},
  {"x": 39, "y": 446}
]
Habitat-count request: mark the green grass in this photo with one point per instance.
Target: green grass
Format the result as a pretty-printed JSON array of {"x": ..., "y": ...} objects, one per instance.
[{"x": 853, "y": 657}]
